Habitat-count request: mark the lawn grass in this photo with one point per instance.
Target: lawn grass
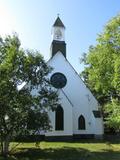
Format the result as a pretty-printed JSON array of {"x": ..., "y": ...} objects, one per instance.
[{"x": 82, "y": 150}]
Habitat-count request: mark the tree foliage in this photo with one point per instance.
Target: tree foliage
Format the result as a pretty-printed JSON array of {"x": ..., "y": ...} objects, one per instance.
[
  {"x": 23, "y": 109},
  {"x": 112, "y": 109},
  {"x": 102, "y": 71}
]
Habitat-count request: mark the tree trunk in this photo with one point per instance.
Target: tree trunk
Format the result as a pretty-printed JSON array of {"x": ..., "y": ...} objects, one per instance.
[
  {"x": 6, "y": 146},
  {"x": 1, "y": 141},
  {"x": 1, "y": 146}
]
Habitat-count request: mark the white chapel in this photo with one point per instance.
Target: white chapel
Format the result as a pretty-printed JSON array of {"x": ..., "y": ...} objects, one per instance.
[{"x": 78, "y": 115}]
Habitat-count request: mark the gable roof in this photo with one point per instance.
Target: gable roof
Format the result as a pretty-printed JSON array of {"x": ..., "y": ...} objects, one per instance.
[
  {"x": 67, "y": 98},
  {"x": 75, "y": 73}
]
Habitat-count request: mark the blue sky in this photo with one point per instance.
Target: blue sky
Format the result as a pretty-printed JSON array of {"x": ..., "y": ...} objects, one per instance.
[{"x": 33, "y": 19}]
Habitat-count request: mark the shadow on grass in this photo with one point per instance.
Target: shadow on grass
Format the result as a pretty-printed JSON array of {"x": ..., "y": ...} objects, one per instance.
[
  {"x": 112, "y": 140},
  {"x": 65, "y": 153}
]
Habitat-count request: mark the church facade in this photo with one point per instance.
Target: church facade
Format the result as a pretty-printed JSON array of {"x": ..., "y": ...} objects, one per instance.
[{"x": 78, "y": 115}]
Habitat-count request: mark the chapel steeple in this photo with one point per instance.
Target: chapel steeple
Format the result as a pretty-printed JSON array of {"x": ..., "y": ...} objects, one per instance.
[
  {"x": 58, "y": 38},
  {"x": 58, "y": 23}
]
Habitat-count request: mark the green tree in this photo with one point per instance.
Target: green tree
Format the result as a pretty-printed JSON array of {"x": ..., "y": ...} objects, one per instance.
[
  {"x": 112, "y": 109},
  {"x": 23, "y": 110},
  {"x": 102, "y": 71}
]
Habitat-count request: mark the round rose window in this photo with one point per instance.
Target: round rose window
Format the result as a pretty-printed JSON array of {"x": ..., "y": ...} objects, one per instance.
[{"x": 58, "y": 80}]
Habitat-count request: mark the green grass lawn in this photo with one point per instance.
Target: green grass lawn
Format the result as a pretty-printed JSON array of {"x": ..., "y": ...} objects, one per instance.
[{"x": 83, "y": 150}]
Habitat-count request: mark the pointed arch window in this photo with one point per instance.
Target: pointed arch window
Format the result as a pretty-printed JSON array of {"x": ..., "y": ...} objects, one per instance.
[
  {"x": 59, "y": 118},
  {"x": 81, "y": 123}
]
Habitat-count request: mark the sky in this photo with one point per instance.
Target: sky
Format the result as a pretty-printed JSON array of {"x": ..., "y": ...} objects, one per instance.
[{"x": 33, "y": 20}]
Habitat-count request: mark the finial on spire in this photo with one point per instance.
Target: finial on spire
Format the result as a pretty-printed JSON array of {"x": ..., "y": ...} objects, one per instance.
[{"x": 58, "y": 22}]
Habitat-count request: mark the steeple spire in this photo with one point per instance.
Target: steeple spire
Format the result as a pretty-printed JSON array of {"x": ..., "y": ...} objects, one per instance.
[
  {"x": 58, "y": 23},
  {"x": 58, "y": 36}
]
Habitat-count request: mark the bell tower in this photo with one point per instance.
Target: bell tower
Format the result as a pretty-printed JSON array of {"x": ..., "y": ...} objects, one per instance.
[{"x": 58, "y": 38}]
